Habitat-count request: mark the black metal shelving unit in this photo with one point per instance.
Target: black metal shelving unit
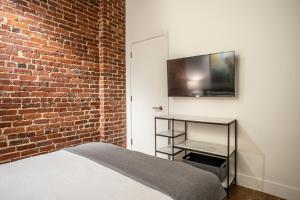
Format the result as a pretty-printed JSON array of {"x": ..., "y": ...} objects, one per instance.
[
  {"x": 223, "y": 151},
  {"x": 171, "y": 134}
]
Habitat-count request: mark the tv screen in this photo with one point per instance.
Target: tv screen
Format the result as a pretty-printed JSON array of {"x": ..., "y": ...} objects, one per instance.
[{"x": 205, "y": 75}]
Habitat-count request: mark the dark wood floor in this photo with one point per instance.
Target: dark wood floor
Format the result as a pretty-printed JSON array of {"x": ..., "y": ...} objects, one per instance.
[{"x": 241, "y": 193}]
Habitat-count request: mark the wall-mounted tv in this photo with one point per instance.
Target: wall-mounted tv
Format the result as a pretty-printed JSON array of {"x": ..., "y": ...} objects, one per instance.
[{"x": 202, "y": 76}]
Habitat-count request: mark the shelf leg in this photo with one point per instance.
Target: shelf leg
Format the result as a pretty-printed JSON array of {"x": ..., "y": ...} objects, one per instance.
[
  {"x": 185, "y": 135},
  {"x": 155, "y": 137},
  {"x": 228, "y": 159},
  {"x": 235, "y": 152},
  {"x": 172, "y": 139},
  {"x": 169, "y": 128},
  {"x": 227, "y": 190}
]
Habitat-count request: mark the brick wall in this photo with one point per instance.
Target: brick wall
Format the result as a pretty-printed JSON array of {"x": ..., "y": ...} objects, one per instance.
[
  {"x": 62, "y": 75},
  {"x": 112, "y": 72}
]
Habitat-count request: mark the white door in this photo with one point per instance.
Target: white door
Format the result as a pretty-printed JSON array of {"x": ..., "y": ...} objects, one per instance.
[{"x": 149, "y": 90}]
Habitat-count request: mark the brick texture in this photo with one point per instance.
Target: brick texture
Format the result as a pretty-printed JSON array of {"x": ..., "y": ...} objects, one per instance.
[
  {"x": 112, "y": 72},
  {"x": 62, "y": 75}
]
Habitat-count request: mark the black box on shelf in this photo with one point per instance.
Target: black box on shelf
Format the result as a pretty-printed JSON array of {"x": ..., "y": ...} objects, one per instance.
[{"x": 216, "y": 165}]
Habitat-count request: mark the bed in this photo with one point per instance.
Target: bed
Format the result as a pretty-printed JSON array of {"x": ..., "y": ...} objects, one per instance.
[{"x": 103, "y": 171}]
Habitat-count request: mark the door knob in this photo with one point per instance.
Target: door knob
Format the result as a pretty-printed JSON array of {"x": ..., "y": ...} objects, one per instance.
[{"x": 158, "y": 108}]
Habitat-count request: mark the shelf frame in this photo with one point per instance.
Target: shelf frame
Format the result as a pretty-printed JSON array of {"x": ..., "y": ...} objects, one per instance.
[
  {"x": 231, "y": 179},
  {"x": 169, "y": 154},
  {"x": 171, "y": 138}
]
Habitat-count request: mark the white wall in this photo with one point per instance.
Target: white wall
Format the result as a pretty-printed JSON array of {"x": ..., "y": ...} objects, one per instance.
[{"x": 266, "y": 37}]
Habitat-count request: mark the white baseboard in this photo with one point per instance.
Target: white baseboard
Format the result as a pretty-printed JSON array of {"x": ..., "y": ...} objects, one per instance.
[{"x": 269, "y": 187}]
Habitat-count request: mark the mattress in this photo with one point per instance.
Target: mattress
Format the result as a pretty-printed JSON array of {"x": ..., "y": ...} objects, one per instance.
[{"x": 102, "y": 171}]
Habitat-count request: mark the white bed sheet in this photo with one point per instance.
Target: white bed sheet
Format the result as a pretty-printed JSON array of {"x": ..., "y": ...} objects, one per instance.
[{"x": 65, "y": 176}]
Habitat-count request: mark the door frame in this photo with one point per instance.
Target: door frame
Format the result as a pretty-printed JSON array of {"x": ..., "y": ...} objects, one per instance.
[{"x": 129, "y": 98}]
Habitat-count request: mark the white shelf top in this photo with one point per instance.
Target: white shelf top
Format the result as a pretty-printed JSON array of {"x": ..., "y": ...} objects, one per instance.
[
  {"x": 168, "y": 133},
  {"x": 205, "y": 147},
  {"x": 168, "y": 150},
  {"x": 213, "y": 120}
]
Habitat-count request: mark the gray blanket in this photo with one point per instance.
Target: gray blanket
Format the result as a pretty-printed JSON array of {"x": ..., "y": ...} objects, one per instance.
[{"x": 178, "y": 180}]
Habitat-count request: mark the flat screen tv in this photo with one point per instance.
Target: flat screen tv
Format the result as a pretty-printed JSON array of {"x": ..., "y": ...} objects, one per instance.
[{"x": 209, "y": 75}]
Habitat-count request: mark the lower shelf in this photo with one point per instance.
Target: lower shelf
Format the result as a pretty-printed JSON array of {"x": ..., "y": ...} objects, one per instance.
[
  {"x": 168, "y": 150},
  {"x": 205, "y": 147},
  {"x": 224, "y": 182},
  {"x": 169, "y": 133}
]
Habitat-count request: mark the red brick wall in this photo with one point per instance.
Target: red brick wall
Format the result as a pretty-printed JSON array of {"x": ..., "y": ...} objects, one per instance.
[
  {"x": 112, "y": 72},
  {"x": 61, "y": 68}
]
